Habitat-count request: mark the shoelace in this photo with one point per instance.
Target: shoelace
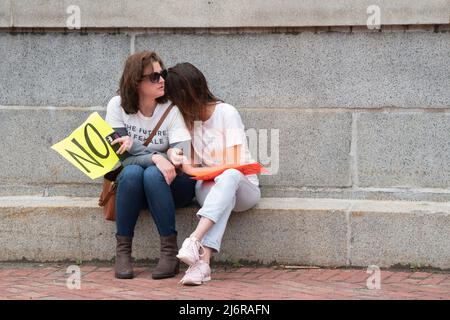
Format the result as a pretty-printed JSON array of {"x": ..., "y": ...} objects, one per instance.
[{"x": 197, "y": 247}]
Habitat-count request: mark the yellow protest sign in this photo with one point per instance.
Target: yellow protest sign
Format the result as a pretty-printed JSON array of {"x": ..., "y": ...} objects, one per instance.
[{"x": 87, "y": 148}]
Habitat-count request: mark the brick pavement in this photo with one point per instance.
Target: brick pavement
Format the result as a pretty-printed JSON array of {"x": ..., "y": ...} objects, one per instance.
[{"x": 49, "y": 281}]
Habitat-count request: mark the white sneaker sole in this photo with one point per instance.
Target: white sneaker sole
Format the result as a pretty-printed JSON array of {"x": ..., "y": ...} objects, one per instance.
[{"x": 196, "y": 283}]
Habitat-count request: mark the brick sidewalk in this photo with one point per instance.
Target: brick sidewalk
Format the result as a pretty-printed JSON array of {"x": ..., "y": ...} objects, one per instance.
[{"x": 32, "y": 281}]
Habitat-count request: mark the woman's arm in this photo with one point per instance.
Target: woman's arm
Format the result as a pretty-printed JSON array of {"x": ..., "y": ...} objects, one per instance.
[{"x": 143, "y": 160}]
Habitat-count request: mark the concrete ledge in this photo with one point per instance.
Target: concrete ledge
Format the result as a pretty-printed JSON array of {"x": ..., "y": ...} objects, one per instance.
[
  {"x": 324, "y": 232},
  {"x": 356, "y": 193},
  {"x": 5, "y": 13},
  {"x": 211, "y": 14}
]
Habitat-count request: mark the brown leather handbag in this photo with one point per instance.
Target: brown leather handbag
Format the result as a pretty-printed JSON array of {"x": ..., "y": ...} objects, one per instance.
[{"x": 107, "y": 198}]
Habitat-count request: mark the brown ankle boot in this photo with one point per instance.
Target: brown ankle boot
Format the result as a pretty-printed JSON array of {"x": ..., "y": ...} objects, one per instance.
[
  {"x": 123, "y": 266},
  {"x": 168, "y": 264}
]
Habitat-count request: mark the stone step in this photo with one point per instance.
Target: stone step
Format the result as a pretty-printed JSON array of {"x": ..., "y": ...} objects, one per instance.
[{"x": 301, "y": 231}]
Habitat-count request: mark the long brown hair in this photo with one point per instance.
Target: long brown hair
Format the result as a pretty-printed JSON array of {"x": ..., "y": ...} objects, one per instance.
[
  {"x": 187, "y": 88},
  {"x": 132, "y": 75}
]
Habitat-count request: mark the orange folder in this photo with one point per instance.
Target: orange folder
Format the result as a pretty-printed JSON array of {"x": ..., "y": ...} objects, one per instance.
[{"x": 246, "y": 169}]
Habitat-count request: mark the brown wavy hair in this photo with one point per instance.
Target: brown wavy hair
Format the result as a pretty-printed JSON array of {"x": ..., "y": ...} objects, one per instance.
[
  {"x": 132, "y": 75},
  {"x": 187, "y": 88}
]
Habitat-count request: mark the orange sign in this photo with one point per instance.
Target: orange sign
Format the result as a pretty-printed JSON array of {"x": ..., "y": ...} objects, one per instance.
[{"x": 246, "y": 169}]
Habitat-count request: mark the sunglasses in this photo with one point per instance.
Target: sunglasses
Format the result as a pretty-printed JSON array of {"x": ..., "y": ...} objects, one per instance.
[{"x": 154, "y": 77}]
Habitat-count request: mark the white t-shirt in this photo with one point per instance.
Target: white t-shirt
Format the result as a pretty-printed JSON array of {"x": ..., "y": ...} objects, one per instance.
[
  {"x": 139, "y": 127},
  {"x": 224, "y": 129}
]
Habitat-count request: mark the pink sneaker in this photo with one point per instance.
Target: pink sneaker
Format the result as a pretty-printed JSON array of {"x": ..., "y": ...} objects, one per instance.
[
  {"x": 190, "y": 251},
  {"x": 198, "y": 273}
]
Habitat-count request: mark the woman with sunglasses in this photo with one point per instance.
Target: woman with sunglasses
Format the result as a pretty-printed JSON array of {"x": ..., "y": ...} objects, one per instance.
[
  {"x": 218, "y": 140},
  {"x": 148, "y": 179}
]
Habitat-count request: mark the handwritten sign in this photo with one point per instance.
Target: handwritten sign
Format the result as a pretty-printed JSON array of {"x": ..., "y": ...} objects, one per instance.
[{"x": 87, "y": 148}]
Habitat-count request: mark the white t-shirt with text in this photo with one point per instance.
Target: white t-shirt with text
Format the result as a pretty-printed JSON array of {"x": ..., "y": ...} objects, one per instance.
[
  {"x": 139, "y": 127},
  {"x": 224, "y": 129}
]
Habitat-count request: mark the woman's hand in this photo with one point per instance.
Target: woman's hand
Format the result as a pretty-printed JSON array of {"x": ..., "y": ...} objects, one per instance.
[
  {"x": 126, "y": 143},
  {"x": 175, "y": 156},
  {"x": 166, "y": 167}
]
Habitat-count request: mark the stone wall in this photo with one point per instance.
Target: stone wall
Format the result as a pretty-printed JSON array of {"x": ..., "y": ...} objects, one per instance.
[{"x": 361, "y": 113}]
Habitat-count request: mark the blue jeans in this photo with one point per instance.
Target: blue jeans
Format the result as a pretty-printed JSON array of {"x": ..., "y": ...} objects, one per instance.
[
  {"x": 230, "y": 191},
  {"x": 140, "y": 188}
]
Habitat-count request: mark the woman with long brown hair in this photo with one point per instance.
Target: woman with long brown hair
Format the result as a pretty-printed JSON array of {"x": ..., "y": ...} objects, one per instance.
[
  {"x": 218, "y": 140},
  {"x": 148, "y": 179}
]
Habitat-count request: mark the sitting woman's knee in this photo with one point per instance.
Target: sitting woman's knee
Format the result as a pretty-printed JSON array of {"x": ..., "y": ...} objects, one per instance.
[
  {"x": 131, "y": 171},
  {"x": 131, "y": 175},
  {"x": 231, "y": 173},
  {"x": 153, "y": 174}
]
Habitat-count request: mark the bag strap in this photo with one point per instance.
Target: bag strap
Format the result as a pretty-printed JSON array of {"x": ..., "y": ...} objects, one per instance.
[
  {"x": 160, "y": 122},
  {"x": 146, "y": 143}
]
